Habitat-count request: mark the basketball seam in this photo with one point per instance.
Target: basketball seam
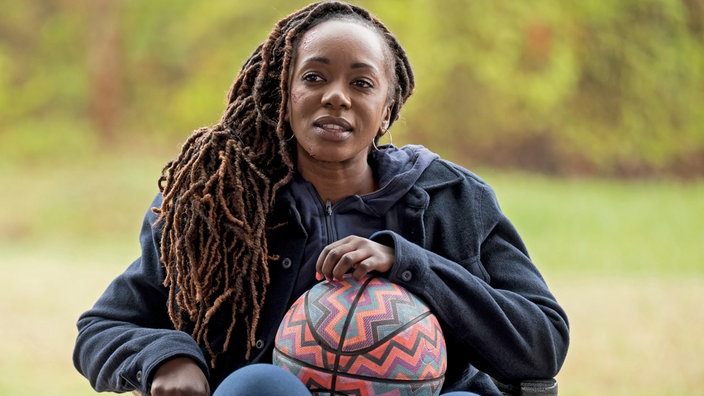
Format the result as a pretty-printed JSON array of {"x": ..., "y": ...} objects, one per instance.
[
  {"x": 343, "y": 334},
  {"x": 357, "y": 376},
  {"x": 391, "y": 335}
]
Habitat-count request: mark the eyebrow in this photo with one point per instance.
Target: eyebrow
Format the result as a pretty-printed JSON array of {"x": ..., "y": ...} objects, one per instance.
[{"x": 324, "y": 60}]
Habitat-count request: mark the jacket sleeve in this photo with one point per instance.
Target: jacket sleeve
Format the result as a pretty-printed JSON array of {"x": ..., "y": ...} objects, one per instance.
[
  {"x": 127, "y": 334},
  {"x": 492, "y": 302}
]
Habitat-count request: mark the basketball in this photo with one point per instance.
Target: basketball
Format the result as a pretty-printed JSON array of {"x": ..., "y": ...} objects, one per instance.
[{"x": 367, "y": 337}]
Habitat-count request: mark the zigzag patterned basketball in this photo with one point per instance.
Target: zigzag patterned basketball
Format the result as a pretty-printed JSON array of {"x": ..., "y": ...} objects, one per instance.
[{"x": 368, "y": 337}]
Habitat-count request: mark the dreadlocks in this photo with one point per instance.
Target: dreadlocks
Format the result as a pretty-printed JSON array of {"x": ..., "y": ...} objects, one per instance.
[{"x": 218, "y": 192}]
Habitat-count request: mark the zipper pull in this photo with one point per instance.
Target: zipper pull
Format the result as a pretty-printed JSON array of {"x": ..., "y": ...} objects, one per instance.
[{"x": 328, "y": 207}]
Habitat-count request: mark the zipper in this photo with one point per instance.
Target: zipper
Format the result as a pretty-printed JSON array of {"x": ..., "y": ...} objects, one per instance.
[{"x": 328, "y": 222}]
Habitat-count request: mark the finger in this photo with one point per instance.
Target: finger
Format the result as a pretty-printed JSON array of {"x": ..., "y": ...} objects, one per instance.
[
  {"x": 337, "y": 261},
  {"x": 347, "y": 262},
  {"x": 380, "y": 259},
  {"x": 362, "y": 269},
  {"x": 372, "y": 262},
  {"x": 320, "y": 261},
  {"x": 331, "y": 254}
]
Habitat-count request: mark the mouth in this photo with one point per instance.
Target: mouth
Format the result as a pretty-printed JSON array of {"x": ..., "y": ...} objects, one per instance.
[{"x": 333, "y": 124}]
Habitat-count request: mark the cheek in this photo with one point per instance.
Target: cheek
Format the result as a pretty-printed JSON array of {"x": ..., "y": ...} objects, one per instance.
[
  {"x": 293, "y": 99},
  {"x": 294, "y": 96}
]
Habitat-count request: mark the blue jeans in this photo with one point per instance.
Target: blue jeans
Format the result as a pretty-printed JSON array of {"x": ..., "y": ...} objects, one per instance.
[{"x": 270, "y": 380}]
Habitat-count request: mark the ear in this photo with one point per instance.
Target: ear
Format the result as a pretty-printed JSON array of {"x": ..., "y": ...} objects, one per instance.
[{"x": 386, "y": 121}]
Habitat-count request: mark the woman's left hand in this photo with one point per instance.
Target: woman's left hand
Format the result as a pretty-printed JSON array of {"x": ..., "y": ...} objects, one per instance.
[{"x": 362, "y": 254}]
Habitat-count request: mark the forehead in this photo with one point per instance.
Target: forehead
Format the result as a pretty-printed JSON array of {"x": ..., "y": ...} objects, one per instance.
[{"x": 341, "y": 35}]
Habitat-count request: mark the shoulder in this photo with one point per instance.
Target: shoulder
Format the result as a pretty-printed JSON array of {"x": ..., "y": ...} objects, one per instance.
[
  {"x": 449, "y": 185},
  {"x": 441, "y": 173}
]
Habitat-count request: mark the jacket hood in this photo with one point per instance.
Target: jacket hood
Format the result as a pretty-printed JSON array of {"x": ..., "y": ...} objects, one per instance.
[{"x": 397, "y": 170}]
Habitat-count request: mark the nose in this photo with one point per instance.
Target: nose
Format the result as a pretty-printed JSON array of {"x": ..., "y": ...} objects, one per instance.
[{"x": 336, "y": 96}]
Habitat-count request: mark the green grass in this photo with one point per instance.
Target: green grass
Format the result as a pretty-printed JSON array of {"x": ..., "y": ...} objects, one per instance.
[
  {"x": 624, "y": 258},
  {"x": 607, "y": 226}
]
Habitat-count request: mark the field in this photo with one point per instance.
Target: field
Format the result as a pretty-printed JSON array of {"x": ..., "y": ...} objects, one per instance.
[{"x": 624, "y": 258}]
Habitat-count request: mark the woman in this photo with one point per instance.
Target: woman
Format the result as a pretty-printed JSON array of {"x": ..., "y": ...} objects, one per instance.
[{"x": 290, "y": 188}]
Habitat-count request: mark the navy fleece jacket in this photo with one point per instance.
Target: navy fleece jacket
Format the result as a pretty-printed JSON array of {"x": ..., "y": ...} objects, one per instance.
[{"x": 454, "y": 248}]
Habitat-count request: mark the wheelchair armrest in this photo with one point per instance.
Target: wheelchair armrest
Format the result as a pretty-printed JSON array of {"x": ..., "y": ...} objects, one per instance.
[{"x": 536, "y": 387}]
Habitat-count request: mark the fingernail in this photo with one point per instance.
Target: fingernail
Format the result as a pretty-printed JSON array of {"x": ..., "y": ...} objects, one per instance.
[{"x": 318, "y": 276}]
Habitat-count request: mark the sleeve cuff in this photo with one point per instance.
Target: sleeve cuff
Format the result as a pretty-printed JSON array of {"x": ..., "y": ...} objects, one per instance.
[{"x": 409, "y": 267}]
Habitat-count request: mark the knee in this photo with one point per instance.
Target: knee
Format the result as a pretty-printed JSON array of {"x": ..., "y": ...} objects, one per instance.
[{"x": 261, "y": 379}]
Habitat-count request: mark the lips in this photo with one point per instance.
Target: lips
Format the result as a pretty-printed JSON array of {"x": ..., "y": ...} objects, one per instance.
[{"x": 333, "y": 124}]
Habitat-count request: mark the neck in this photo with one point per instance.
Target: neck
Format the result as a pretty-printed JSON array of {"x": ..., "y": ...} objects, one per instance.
[{"x": 334, "y": 181}]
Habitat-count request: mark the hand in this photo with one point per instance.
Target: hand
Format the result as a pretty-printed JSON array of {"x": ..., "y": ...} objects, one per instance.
[
  {"x": 180, "y": 376},
  {"x": 362, "y": 254}
]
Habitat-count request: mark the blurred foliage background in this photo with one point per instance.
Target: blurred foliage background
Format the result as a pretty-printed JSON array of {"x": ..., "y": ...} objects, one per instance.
[
  {"x": 570, "y": 87},
  {"x": 587, "y": 117}
]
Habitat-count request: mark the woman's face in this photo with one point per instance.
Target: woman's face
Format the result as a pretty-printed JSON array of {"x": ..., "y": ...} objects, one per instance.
[{"x": 339, "y": 90}]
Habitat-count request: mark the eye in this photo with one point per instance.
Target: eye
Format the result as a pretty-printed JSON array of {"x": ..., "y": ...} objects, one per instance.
[
  {"x": 312, "y": 77},
  {"x": 363, "y": 83}
]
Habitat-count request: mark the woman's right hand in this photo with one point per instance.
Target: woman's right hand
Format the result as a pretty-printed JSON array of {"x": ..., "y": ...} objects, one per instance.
[
  {"x": 353, "y": 252},
  {"x": 180, "y": 376}
]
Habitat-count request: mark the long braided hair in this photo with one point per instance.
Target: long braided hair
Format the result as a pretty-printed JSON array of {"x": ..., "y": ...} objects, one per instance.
[{"x": 218, "y": 192}]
